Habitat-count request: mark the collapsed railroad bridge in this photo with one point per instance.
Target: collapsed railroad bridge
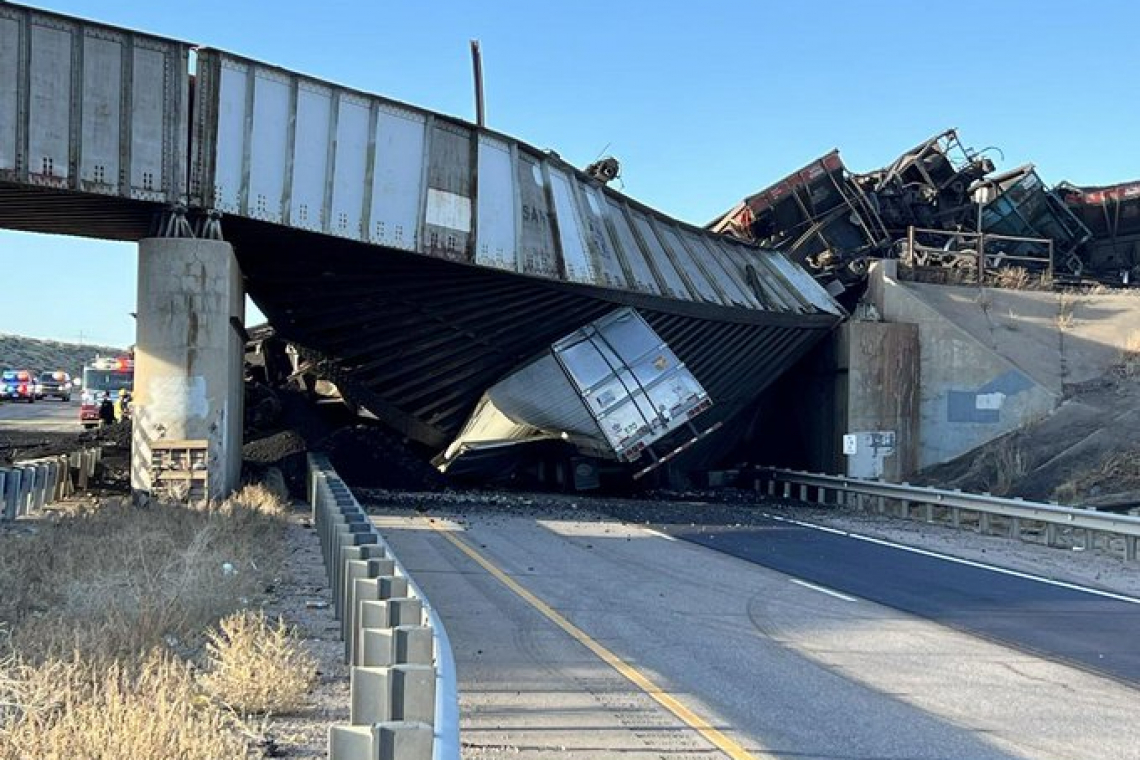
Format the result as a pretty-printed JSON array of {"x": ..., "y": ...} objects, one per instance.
[{"x": 479, "y": 296}]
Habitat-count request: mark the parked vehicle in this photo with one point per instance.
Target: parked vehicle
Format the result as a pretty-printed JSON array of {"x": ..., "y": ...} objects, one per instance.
[
  {"x": 103, "y": 378},
  {"x": 54, "y": 385},
  {"x": 18, "y": 385}
]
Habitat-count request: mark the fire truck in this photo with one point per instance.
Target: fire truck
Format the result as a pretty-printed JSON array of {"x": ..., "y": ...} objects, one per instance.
[{"x": 103, "y": 378}]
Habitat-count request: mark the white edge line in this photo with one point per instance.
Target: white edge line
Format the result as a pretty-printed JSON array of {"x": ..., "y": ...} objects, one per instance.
[
  {"x": 659, "y": 534},
  {"x": 958, "y": 560},
  {"x": 823, "y": 590}
]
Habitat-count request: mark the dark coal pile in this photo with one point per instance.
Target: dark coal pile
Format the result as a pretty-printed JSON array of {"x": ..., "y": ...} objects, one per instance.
[
  {"x": 18, "y": 445},
  {"x": 371, "y": 457},
  {"x": 263, "y": 408},
  {"x": 284, "y": 450},
  {"x": 117, "y": 435}
]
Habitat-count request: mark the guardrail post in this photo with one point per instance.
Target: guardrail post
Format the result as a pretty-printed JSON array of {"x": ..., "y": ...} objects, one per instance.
[
  {"x": 771, "y": 487},
  {"x": 787, "y": 490},
  {"x": 1015, "y": 528},
  {"x": 395, "y": 693},
  {"x": 381, "y": 741},
  {"x": 402, "y": 644},
  {"x": 928, "y": 512},
  {"x": 7, "y": 513},
  {"x": 1130, "y": 543},
  {"x": 27, "y": 491},
  {"x": 803, "y": 492},
  {"x": 371, "y": 609},
  {"x": 956, "y": 517},
  {"x": 1050, "y": 534},
  {"x": 984, "y": 523}
]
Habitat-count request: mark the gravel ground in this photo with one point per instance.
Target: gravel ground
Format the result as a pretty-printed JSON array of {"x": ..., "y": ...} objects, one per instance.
[{"x": 302, "y": 598}]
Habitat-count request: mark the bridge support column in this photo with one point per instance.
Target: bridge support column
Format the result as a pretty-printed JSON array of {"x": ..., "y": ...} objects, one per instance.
[{"x": 188, "y": 367}]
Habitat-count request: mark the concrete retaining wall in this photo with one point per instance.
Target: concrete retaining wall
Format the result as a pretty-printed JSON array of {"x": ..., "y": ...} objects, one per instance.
[
  {"x": 969, "y": 394},
  {"x": 404, "y": 701}
]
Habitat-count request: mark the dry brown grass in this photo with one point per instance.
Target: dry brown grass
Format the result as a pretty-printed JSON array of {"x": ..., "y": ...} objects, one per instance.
[
  {"x": 103, "y": 610},
  {"x": 258, "y": 667},
  {"x": 1013, "y": 278},
  {"x": 62, "y": 709},
  {"x": 1116, "y": 472},
  {"x": 120, "y": 579}
]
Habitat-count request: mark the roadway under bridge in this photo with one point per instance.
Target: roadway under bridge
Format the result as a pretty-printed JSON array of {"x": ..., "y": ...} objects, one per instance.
[{"x": 419, "y": 258}]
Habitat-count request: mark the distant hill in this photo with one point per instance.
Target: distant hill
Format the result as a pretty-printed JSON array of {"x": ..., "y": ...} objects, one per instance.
[{"x": 17, "y": 352}]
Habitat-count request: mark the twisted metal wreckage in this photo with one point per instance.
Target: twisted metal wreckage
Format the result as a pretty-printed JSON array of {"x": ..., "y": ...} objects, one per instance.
[{"x": 941, "y": 204}]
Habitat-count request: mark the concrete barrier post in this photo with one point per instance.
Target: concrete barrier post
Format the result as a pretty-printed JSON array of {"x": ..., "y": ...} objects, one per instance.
[
  {"x": 6, "y": 514},
  {"x": 403, "y": 644},
  {"x": 27, "y": 490},
  {"x": 362, "y": 614},
  {"x": 381, "y": 741},
  {"x": 354, "y": 570},
  {"x": 357, "y": 553},
  {"x": 398, "y": 692}
]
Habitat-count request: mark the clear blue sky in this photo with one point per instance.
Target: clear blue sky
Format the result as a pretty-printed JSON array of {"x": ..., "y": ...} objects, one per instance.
[{"x": 703, "y": 103}]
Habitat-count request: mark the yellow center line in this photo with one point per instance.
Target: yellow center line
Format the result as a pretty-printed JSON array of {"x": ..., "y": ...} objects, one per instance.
[{"x": 666, "y": 700}]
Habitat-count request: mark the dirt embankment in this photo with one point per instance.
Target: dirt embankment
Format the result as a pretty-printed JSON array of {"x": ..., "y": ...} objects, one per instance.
[{"x": 1087, "y": 452}]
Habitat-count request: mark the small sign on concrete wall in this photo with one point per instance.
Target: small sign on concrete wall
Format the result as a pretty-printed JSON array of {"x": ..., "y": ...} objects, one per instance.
[{"x": 866, "y": 451}]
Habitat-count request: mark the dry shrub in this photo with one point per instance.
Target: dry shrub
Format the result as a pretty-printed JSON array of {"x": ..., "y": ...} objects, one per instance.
[
  {"x": 1066, "y": 317},
  {"x": 1004, "y": 464},
  {"x": 120, "y": 579},
  {"x": 258, "y": 667},
  {"x": 1014, "y": 278},
  {"x": 1116, "y": 472},
  {"x": 260, "y": 499},
  {"x": 107, "y": 710},
  {"x": 1129, "y": 360}
]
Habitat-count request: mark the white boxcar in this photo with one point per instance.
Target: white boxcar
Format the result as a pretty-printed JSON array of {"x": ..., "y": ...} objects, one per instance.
[
  {"x": 278, "y": 146},
  {"x": 89, "y": 107}
]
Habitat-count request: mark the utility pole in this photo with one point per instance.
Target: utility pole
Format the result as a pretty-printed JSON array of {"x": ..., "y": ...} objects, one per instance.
[{"x": 477, "y": 65}]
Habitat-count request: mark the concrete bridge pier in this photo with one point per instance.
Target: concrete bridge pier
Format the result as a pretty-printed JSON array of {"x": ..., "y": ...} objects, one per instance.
[{"x": 188, "y": 394}]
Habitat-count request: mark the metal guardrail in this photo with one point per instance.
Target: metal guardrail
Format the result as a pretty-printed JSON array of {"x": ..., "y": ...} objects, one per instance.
[
  {"x": 905, "y": 499},
  {"x": 404, "y": 691},
  {"x": 29, "y": 485}
]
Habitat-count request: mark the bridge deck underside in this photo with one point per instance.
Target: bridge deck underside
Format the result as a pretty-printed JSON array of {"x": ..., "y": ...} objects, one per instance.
[
  {"x": 68, "y": 212},
  {"x": 418, "y": 340}
]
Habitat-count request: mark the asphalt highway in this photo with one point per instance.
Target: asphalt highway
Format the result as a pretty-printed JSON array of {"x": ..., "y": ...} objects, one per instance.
[
  {"x": 582, "y": 637},
  {"x": 44, "y": 416},
  {"x": 1097, "y": 632}
]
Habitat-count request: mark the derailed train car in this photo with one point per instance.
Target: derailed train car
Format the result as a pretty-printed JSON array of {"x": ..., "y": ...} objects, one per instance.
[
  {"x": 1112, "y": 215},
  {"x": 933, "y": 205}
]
